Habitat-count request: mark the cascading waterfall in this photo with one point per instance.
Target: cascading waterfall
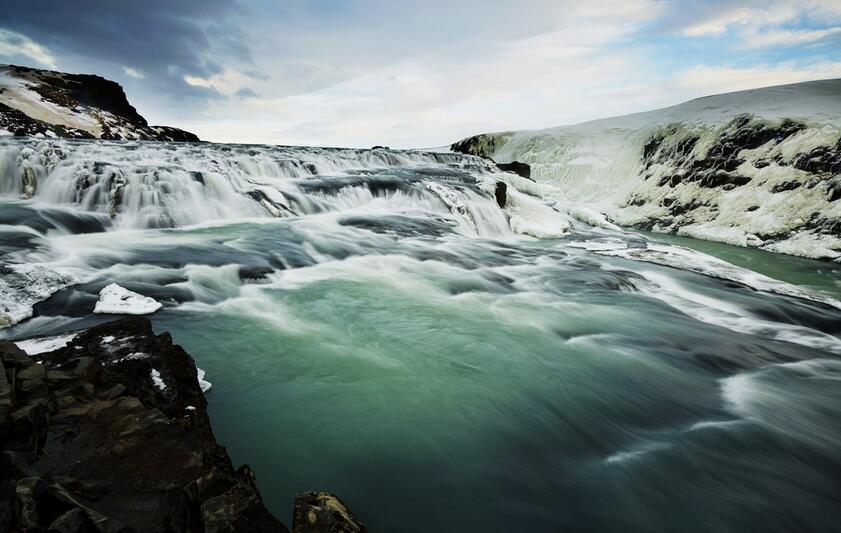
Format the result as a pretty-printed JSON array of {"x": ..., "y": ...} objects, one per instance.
[
  {"x": 521, "y": 367},
  {"x": 145, "y": 185}
]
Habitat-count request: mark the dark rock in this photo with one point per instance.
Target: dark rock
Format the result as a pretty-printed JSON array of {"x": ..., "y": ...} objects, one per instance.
[
  {"x": 752, "y": 208},
  {"x": 101, "y": 99},
  {"x": 521, "y": 169},
  {"x": 484, "y": 145},
  {"x": 500, "y": 193},
  {"x": 254, "y": 273},
  {"x": 786, "y": 186},
  {"x": 322, "y": 512},
  {"x": 104, "y": 449}
]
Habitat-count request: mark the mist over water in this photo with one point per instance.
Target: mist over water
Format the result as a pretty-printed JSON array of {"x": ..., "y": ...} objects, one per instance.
[{"x": 376, "y": 326}]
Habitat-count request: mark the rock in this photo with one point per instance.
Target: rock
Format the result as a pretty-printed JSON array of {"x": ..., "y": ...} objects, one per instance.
[
  {"x": 254, "y": 273},
  {"x": 521, "y": 169},
  {"x": 500, "y": 193},
  {"x": 73, "y": 521},
  {"x": 102, "y": 101},
  {"x": 106, "y": 450},
  {"x": 28, "y": 182},
  {"x": 322, "y": 512}
]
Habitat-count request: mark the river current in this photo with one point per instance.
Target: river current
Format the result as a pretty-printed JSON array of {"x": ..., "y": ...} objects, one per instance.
[{"x": 375, "y": 325}]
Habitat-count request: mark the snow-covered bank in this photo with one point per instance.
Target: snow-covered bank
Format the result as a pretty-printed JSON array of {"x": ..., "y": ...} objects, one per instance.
[{"x": 759, "y": 168}]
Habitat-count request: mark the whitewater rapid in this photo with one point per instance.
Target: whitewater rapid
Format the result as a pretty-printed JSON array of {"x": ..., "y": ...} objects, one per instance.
[{"x": 514, "y": 366}]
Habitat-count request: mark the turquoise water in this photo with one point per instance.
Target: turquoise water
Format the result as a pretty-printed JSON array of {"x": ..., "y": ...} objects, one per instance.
[{"x": 441, "y": 373}]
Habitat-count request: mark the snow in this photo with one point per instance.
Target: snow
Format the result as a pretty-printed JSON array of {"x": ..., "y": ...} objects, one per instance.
[
  {"x": 114, "y": 299},
  {"x": 156, "y": 379},
  {"x": 45, "y": 344},
  {"x": 24, "y": 285},
  {"x": 203, "y": 383},
  {"x": 592, "y": 170},
  {"x": 17, "y": 94},
  {"x": 691, "y": 260}
]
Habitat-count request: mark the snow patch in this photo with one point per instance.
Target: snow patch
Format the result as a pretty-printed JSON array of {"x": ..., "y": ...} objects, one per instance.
[
  {"x": 156, "y": 379},
  {"x": 45, "y": 344}
]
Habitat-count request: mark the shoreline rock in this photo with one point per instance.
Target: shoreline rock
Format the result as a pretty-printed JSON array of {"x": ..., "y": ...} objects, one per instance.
[{"x": 91, "y": 442}]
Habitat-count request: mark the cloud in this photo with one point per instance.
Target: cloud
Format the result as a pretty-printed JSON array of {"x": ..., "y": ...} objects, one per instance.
[
  {"x": 15, "y": 46},
  {"x": 165, "y": 41},
  {"x": 245, "y": 92},
  {"x": 757, "y": 24},
  {"x": 133, "y": 73}
]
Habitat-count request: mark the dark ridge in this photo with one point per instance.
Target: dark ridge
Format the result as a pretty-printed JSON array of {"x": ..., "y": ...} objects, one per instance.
[{"x": 90, "y": 94}]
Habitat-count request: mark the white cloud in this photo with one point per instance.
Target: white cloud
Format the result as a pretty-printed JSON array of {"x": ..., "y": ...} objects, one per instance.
[
  {"x": 13, "y": 44},
  {"x": 767, "y": 23},
  {"x": 133, "y": 73}
]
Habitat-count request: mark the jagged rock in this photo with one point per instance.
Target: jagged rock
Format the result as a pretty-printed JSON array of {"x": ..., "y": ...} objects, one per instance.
[
  {"x": 107, "y": 450},
  {"x": 94, "y": 108},
  {"x": 322, "y": 512},
  {"x": 500, "y": 193}
]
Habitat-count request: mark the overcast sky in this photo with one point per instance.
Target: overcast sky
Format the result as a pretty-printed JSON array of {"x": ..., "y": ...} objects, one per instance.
[{"x": 418, "y": 73}]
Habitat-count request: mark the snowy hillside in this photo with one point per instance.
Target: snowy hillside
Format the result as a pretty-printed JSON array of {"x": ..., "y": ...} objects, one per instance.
[
  {"x": 758, "y": 168},
  {"x": 54, "y": 104}
]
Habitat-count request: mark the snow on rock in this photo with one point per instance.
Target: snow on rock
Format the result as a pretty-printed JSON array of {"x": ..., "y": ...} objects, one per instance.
[
  {"x": 203, "y": 383},
  {"x": 156, "y": 379},
  {"x": 45, "y": 344},
  {"x": 117, "y": 300},
  {"x": 758, "y": 168},
  {"x": 44, "y": 103},
  {"x": 24, "y": 285}
]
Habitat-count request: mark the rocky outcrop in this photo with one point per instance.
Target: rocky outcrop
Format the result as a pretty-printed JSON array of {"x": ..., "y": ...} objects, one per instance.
[
  {"x": 521, "y": 169},
  {"x": 36, "y": 102},
  {"x": 321, "y": 512},
  {"x": 758, "y": 168},
  {"x": 110, "y": 434}
]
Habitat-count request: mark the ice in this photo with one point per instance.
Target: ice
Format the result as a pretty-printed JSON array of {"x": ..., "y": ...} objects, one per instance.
[
  {"x": 24, "y": 285},
  {"x": 203, "y": 383},
  {"x": 114, "y": 299},
  {"x": 45, "y": 344},
  {"x": 691, "y": 260},
  {"x": 595, "y": 170}
]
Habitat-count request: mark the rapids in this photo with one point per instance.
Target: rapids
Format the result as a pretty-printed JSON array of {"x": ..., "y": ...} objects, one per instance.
[{"x": 375, "y": 325}]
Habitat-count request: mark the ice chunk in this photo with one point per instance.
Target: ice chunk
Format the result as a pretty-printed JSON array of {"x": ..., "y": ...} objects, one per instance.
[
  {"x": 203, "y": 383},
  {"x": 114, "y": 299}
]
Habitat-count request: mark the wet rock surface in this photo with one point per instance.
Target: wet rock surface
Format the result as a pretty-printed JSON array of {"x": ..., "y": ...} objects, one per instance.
[{"x": 110, "y": 434}]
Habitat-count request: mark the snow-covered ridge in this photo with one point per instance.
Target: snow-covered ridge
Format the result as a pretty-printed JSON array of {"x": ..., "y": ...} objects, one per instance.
[
  {"x": 45, "y": 103},
  {"x": 758, "y": 168}
]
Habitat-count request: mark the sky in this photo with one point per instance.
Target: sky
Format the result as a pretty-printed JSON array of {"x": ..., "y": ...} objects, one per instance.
[{"x": 409, "y": 73}]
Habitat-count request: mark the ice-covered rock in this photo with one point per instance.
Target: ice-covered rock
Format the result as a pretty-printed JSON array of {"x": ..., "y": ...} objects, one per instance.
[
  {"x": 24, "y": 285},
  {"x": 117, "y": 300},
  {"x": 758, "y": 168},
  {"x": 44, "y": 103}
]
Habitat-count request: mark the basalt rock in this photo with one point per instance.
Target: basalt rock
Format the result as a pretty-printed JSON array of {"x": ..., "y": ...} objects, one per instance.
[
  {"x": 93, "y": 107},
  {"x": 319, "y": 512},
  {"x": 521, "y": 169},
  {"x": 91, "y": 442},
  {"x": 501, "y": 194}
]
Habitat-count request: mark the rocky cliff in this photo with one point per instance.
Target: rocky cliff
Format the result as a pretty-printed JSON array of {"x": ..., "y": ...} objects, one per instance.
[
  {"x": 55, "y": 104},
  {"x": 110, "y": 433},
  {"x": 759, "y": 168}
]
